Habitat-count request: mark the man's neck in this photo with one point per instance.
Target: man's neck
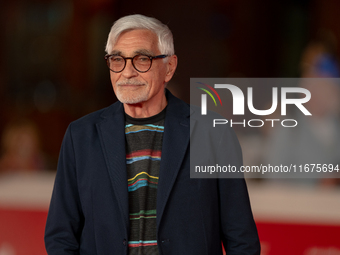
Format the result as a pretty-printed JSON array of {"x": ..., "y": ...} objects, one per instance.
[{"x": 145, "y": 109}]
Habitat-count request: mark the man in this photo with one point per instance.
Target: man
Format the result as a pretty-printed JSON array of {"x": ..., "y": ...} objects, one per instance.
[{"x": 123, "y": 183}]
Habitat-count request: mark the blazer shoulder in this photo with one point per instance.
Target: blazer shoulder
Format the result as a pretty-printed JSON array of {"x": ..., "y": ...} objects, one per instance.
[{"x": 93, "y": 118}]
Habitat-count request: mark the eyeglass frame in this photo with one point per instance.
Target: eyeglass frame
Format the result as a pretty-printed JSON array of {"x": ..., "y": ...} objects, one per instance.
[{"x": 107, "y": 56}]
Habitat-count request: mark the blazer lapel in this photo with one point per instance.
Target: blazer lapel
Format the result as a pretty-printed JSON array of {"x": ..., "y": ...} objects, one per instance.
[
  {"x": 175, "y": 143},
  {"x": 112, "y": 135}
]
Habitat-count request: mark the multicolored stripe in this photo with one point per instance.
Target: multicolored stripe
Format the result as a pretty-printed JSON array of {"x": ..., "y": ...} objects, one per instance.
[
  {"x": 131, "y": 128},
  {"x": 149, "y": 214},
  {"x": 141, "y": 180},
  {"x": 142, "y": 243},
  {"x": 142, "y": 155}
]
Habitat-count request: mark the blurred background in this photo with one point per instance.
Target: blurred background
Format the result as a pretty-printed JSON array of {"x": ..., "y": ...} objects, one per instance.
[{"x": 52, "y": 71}]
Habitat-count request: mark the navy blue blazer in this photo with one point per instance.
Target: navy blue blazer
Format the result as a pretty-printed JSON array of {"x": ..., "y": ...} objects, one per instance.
[{"x": 89, "y": 210}]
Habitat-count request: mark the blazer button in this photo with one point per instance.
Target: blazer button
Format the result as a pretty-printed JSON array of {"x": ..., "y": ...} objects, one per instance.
[{"x": 124, "y": 242}]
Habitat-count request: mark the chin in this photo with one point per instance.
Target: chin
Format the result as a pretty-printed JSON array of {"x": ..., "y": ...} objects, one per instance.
[{"x": 132, "y": 99}]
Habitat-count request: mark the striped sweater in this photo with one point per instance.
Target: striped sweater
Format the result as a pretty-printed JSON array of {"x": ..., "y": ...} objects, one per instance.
[{"x": 143, "y": 155}]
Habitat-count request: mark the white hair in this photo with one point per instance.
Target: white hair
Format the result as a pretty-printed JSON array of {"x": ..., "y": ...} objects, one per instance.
[{"x": 137, "y": 21}]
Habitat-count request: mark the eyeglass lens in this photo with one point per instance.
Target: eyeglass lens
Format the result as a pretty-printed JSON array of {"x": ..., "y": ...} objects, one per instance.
[{"x": 141, "y": 63}]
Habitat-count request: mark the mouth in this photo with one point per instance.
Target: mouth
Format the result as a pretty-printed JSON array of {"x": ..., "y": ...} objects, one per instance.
[
  {"x": 129, "y": 84},
  {"x": 130, "y": 87}
]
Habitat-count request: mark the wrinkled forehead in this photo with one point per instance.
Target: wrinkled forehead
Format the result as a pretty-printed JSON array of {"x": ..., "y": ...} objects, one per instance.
[{"x": 138, "y": 41}]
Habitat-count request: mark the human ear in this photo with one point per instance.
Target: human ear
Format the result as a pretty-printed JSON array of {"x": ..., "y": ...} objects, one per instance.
[{"x": 171, "y": 67}]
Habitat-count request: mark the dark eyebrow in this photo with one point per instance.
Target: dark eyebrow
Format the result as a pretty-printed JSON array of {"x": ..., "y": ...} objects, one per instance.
[
  {"x": 116, "y": 53},
  {"x": 144, "y": 52},
  {"x": 136, "y": 52}
]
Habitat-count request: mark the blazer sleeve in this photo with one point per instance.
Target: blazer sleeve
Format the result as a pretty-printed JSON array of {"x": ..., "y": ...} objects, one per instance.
[
  {"x": 65, "y": 218},
  {"x": 239, "y": 233}
]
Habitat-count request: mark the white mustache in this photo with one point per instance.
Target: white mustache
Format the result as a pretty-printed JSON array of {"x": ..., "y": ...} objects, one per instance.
[{"x": 129, "y": 82}]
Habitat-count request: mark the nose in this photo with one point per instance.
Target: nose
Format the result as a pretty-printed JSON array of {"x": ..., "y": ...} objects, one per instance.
[{"x": 129, "y": 71}]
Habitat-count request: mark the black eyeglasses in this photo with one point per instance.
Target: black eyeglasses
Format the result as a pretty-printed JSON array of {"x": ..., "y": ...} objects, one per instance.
[{"x": 142, "y": 63}]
